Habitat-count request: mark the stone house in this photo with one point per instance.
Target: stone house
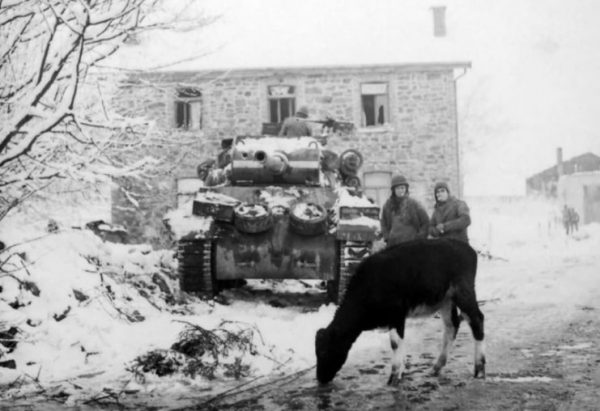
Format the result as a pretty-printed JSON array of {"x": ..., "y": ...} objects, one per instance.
[
  {"x": 545, "y": 182},
  {"x": 405, "y": 118}
]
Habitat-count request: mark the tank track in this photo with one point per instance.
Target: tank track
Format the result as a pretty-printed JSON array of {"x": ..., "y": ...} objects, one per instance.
[
  {"x": 195, "y": 266},
  {"x": 351, "y": 253}
]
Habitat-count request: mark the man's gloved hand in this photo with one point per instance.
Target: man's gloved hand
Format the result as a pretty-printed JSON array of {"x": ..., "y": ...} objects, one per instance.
[{"x": 440, "y": 228}]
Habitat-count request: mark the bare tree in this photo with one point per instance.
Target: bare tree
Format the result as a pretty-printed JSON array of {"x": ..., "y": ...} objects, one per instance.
[{"x": 48, "y": 131}]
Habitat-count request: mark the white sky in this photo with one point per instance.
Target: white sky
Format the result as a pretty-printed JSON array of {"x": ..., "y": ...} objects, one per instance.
[{"x": 534, "y": 84}]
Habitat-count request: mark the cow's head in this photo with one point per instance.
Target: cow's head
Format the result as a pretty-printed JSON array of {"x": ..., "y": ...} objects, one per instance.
[{"x": 331, "y": 354}]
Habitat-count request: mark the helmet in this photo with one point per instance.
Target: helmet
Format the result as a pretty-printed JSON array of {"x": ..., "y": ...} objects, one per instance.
[
  {"x": 302, "y": 111},
  {"x": 399, "y": 180},
  {"x": 439, "y": 185}
]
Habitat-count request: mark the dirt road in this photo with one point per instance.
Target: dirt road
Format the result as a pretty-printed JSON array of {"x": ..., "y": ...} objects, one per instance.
[
  {"x": 543, "y": 353},
  {"x": 551, "y": 368}
]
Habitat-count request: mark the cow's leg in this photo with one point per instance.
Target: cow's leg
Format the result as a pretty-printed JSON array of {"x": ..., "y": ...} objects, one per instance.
[
  {"x": 467, "y": 303},
  {"x": 451, "y": 321},
  {"x": 398, "y": 348}
]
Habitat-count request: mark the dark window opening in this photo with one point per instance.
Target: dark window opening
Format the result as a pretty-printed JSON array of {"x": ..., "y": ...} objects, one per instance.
[
  {"x": 281, "y": 109},
  {"x": 282, "y": 103},
  {"x": 374, "y": 100},
  {"x": 188, "y": 109}
]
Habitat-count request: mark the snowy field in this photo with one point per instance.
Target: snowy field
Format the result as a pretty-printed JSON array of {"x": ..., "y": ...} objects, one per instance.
[{"x": 86, "y": 309}]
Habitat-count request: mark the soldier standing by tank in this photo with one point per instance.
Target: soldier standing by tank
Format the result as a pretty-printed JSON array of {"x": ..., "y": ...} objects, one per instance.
[
  {"x": 296, "y": 126},
  {"x": 402, "y": 218},
  {"x": 450, "y": 217}
]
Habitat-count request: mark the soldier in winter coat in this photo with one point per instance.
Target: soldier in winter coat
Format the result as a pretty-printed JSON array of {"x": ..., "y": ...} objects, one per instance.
[
  {"x": 450, "y": 217},
  {"x": 402, "y": 218},
  {"x": 566, "y": 219},
  {"x": 574, "y": 220},
  {"x": 296, "y": 126}
]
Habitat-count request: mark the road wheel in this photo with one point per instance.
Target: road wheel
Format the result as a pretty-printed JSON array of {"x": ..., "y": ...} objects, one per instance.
[
  {"x": 350, "y": 161},
  {"x": 252, "y": 218},
  {"x": 308, "y": 219}
]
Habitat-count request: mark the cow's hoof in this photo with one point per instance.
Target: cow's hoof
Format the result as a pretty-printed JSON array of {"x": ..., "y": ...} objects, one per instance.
[
  {"x": 394, "y": 380},
  {"x": 479, "y": 370},
  {"x": 440, "y": 363}
]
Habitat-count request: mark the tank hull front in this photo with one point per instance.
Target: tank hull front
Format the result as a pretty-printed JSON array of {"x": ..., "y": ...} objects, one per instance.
[{"x": 278, "y": 253}]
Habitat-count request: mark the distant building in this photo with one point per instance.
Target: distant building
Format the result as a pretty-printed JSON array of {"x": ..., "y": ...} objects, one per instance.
[
  {"x": 582, "y": 192},
  {"x": 545, "y": 182}
]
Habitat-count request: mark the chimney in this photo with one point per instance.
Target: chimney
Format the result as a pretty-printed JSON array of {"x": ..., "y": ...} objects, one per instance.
[
  {"x": 559, "y": 162},
  {"x": 439, "y": 21}
]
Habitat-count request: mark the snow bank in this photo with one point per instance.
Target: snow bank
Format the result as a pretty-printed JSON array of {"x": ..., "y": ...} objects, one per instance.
[
  {"x": 181, "y": 221},
  {"x": 96, "y": 306},
  {"x": 279, "y": 197},
  {"x": 346, "y": 198}
]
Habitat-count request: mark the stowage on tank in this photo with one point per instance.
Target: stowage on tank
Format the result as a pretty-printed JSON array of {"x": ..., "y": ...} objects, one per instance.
[{"x": 276, "y": 208}]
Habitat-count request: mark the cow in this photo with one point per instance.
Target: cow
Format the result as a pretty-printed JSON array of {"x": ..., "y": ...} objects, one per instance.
[{"x": 416, "y": 278}]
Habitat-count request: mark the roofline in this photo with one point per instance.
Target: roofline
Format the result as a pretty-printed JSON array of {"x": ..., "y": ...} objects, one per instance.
[
  {"x": 551, "y": 169},
  {"x": 291, "y": 70},
  {"x": 421, "y": 66},
  {"x": 592, "y": 173}
]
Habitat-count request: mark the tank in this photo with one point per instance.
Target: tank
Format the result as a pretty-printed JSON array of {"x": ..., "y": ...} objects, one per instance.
[{"x": 276, "y": 208}]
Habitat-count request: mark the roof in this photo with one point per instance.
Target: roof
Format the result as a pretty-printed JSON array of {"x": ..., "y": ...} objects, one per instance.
[
  {"x": 258, "y": 72},
  {"x": 568, "y": 165}
]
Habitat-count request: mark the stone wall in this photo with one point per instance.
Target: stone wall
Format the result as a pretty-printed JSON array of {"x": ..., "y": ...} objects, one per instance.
[{"x": 419, "y": 140}]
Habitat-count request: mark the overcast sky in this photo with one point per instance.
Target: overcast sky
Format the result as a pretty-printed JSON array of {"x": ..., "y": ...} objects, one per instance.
[{"x": 534, "y": 83}]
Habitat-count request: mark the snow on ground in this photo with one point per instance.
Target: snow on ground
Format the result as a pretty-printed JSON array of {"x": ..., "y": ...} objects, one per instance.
[{"x": 100, "y": 305}]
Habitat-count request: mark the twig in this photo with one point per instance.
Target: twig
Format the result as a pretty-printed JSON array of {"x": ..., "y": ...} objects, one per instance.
[
  {"x": 117, "y": 309},
  {"x": 19, "y": 379},
  {"x": 37, "y": 377},
  {"x": 491, "y": 300},
  {"x": 25, "y": 268},
  {"x": 31, "y": 240},
  {"x": 36, "y": 381},
  {"x": 88, "y": 375},
  {"x": 237, "y": 387},
  {"x": 283, "y": 380}
]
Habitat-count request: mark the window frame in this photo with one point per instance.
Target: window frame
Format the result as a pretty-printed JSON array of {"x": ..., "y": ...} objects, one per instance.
[
  {"x": 364, "y": 116},
  {"x": 278, "y": 98},
  {"x": 187, "y": 103},
  {"x": 382, "y": 191}
]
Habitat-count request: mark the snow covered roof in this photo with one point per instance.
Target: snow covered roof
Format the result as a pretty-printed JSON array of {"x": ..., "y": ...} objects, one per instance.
[{"x": 585, "y": 160}]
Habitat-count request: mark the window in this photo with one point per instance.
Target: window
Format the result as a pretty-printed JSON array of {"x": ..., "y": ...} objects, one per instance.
[
  {"x": 282, "y": 103},
  {"x": 188, "y": 109},
  {"x": 376, "y": 185},
  {"x": 374, "y": 99}
]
